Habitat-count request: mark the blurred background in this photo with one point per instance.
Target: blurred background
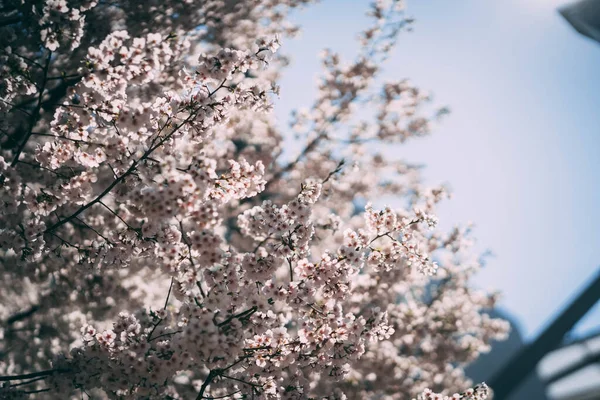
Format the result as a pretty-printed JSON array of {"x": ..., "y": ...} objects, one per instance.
[{"x": 520, "y": 151}]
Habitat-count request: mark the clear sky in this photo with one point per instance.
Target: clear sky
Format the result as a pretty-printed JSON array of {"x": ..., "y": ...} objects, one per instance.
[{"x": 520, "y": 148}]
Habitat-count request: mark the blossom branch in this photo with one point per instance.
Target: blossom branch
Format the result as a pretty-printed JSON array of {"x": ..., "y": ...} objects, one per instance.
[{"x": 36, "y": 111}]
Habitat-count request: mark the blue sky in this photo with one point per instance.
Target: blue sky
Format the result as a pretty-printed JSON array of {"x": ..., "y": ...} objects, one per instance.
[{"x": 520, "y": 146}]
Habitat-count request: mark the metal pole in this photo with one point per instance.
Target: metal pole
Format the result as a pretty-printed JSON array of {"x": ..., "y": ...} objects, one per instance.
[{"x": 520, "y": 366}]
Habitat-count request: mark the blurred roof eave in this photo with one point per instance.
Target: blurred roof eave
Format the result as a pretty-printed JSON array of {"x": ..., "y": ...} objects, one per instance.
[{"x": 584, "y": 16}]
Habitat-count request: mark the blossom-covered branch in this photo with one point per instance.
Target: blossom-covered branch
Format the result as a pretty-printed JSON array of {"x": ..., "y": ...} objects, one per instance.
[{"x": 155, "y": 243}]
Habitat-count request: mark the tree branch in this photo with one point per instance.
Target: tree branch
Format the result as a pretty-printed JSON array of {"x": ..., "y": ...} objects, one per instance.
[
  {"x": 211, "y": 375},
  {"x": 22, "y": 314},
  {"x": 36, "y": 113},
  {"x": 129, "y": 171},
  {"x": 33, "y": 375}
]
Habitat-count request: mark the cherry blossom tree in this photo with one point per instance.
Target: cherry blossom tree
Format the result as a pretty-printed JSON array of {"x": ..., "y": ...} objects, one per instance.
[{"x": 156, "y": 243}]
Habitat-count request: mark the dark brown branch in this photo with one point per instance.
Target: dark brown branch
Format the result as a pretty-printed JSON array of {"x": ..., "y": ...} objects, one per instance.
[
  {"x": 29, "y": 60},
  {"x": 164, "y": 308},
  {"x": 291, "y": 269},
  {"x": 10, "y": 21},
  {"x": 33, "y": 375},
  {"x": 69, "y": 139},
  {"x": 38, "y": 391},
  {"x": 240, "y": 380},
  {"x": 288, "y": 167},
  {"x": 43, "y": 168},
  {"x": 168, "y": 294},
  {"x": 222, "y": 397},
  {"x": 129, "y": 171},
  {"x": 211, "y": 375},
  {"x": 64, "y": 77},
  {"x": 243, "y": 314},
  {"x": 118, "y": 180},
  {"x": 35, "y": 114},
  {"x": 86, "y": 225},
  {"x": 39, "y": 378},
  {"x": 337, "y": 169},
  {"x": 163, "y": 335},
  {"x": 22, "y": 315},
  {"x": 138, "y": 230}
]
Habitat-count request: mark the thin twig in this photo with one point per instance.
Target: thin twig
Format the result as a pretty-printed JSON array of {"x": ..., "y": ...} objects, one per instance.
[
  {"x": 118, "y": 216},
  {"x": 85, "y": 224},
  {"x": 243, "y": 314},
  {"x": 168, "y": 294},
  {"x": 164, "y": 308},
  {"x": 222, "y": 397},
  {"x": 69, "y": 139},
  {"x": 240, "y": 380}
]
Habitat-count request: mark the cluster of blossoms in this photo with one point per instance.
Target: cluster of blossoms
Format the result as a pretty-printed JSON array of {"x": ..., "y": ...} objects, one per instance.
[
  {"x": 154, "y": 244},
  {"x": 479, "y": 392}
]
